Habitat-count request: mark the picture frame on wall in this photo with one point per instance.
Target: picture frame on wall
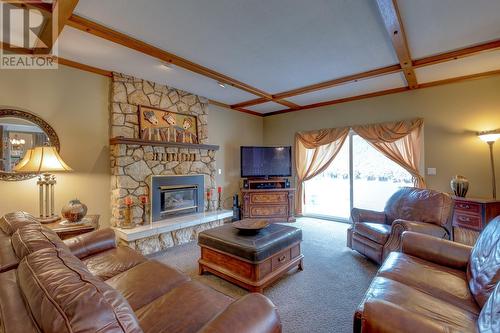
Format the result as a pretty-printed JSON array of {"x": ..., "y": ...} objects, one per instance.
[{"x": 167, "y": 126}]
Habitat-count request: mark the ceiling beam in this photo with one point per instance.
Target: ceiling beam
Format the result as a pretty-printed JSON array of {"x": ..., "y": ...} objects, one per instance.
[
  {"x": 391, "y": 91},
  {"x": 457, "y": 54},
  {"x": 62, "y": 9},
  {"x": 101, "y": 31},
  {"x": 326, "y": 84},
  {"x": 340, "y": 100},
  {"x": 83, "y": 67},
  {"x": 106, "y": 33},
  {"x": 426, "y": 61},
  {"x": 339, "y": 81},
  {"x": 392, "y": 20},
  {"x": 43, "y": 6}
]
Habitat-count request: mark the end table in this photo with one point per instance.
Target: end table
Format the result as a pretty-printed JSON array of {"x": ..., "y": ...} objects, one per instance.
[
  {"x": 470, "y": 216},
  {"x": 65, "y": 231}
]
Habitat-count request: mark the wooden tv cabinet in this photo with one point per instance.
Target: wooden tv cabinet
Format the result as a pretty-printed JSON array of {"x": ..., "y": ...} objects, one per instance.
[{"x": 274, "y": 205}]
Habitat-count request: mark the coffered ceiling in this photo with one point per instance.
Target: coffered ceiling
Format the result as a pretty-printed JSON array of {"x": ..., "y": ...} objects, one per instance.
[{"x": 284, "y": 55}]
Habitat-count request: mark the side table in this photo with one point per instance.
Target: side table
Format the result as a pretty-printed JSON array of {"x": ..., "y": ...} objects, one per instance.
[
  {"x": 470, "y": 216},
  {"x": 65, "y": 231}
]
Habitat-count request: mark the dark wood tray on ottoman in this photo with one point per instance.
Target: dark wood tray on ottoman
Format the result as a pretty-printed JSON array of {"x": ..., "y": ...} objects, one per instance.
[{"x": 252, "y": 261}]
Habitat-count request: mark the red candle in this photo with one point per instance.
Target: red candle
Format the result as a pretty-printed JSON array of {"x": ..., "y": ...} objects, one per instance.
[
  {"x": 219, "y": 189},
  {"x": 128, "y": 201},
  {"x": 144, "y": 199}
]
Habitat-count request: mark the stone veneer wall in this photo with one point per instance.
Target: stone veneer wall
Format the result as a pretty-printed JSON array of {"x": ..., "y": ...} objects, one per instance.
[{"x": 133, "y": 165}]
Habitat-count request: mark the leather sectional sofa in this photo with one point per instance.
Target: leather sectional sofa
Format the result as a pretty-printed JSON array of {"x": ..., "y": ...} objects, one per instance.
[
  {"x": 88, "y": 284},
  {"x": 436, "y": 285},
  {"x": 376, "y": 234}
]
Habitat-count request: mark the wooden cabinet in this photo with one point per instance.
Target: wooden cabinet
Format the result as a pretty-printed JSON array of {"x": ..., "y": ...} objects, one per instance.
[
  {"x": 470, "y": 216},
  {"x": 274, "y": 205}
]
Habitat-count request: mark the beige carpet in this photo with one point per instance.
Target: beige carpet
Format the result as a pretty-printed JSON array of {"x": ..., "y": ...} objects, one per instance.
[{"x": 322, "y": 298}]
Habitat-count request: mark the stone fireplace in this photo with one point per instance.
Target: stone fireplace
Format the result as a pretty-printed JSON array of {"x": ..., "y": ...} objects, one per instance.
[{"x": 138, "y": 165}]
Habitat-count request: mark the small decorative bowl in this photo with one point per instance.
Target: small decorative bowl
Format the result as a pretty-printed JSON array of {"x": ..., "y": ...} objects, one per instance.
[{"x": 250, "y": 225}]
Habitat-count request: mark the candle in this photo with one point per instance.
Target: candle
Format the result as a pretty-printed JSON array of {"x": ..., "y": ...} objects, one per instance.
[
  {"x": 128, "y": 201},
  {"x": 219, "y": 189},
  {"x": 144, "y": 199}
]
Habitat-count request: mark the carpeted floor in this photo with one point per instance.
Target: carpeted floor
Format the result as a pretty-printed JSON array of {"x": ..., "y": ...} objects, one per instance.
[{"x": 322, "y": 298}]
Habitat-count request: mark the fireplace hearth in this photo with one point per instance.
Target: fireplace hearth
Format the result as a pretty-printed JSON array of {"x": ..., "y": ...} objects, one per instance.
[{"x": 176, "y": 195}]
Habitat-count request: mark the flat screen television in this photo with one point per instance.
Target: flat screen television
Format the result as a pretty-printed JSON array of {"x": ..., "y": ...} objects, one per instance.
[{"x": 265, "y": 162}]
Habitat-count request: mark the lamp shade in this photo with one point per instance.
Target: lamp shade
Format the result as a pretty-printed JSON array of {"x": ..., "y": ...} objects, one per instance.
[
  {"x": 42, "y": 159},
  {"x": 489, "y": 136},
  {"x": 24, "y": 160}
]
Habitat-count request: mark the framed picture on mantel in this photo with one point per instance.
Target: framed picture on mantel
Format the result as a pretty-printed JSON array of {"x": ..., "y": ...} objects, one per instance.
[{"x": 167, "y": 126}]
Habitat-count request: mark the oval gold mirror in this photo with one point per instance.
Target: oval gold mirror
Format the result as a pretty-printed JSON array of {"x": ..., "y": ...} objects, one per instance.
[{"x": 19, "y": 132}]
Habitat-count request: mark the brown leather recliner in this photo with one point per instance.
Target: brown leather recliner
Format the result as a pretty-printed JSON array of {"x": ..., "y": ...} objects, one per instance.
[
  {"x": 436, "y": 285},
  {"x": 88, "y": 284},
  {"x": 376, "y": 234}
]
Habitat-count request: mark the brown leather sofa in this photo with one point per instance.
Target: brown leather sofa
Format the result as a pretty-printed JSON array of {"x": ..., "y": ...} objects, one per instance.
[
  {"x": 436, "y": 285},
  {"x": 376, "y": 234},
  {"x": 88, "y": 284}
]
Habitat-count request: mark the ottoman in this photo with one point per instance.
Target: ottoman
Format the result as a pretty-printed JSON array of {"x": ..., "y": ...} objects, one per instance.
[{"x": 250, "y": 261}]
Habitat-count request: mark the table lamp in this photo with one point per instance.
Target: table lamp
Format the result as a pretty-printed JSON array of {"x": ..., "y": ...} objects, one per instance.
[
  {"x": 490, "y": 137},
  {"x": 44, "y": 160}
]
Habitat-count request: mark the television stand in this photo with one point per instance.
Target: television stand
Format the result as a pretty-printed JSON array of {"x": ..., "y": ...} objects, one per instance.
[{"x": 274, "y": 203}]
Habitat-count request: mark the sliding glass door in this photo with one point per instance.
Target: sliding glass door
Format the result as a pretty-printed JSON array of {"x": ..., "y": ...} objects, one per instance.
[{"x": 359, "y": 176}]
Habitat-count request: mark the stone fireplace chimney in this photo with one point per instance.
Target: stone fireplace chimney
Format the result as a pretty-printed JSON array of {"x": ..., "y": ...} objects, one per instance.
[{"x": 133, "y": 164}]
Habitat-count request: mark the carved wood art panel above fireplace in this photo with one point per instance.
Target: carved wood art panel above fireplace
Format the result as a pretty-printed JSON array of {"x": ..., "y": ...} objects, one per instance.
[{"x": 176, "y": 195}]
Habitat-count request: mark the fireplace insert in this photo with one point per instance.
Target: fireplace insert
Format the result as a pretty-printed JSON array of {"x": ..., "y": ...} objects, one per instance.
[
  {"x": 178, "y": 199},
  {"x": 176, "y": 195}
]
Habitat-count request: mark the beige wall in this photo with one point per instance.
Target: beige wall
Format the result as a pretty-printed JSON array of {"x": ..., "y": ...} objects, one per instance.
[
  {"x": 75, "y": 104},
  {"x": 452, "y": 114},
  {"x": 230, "y": 130}
]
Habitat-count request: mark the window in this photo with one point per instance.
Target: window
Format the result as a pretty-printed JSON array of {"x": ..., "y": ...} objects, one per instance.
[{"x": 360, "y": 176}]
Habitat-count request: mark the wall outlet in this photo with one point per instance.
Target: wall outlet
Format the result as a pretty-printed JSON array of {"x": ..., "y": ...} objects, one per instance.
[
  {"x": 219, "y": 171},
  {"x": 431, "y": 171}
]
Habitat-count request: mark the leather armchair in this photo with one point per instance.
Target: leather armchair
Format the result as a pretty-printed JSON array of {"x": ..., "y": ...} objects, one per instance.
[{"x": 376, "y": 234}]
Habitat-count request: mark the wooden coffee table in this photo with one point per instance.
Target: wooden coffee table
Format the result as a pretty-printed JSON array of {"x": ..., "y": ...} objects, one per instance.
[{"x": 250, "y": 261}]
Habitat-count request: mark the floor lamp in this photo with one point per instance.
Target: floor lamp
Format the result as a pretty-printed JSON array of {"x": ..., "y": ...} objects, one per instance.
[
  {"x": 43, "y": 161},
  {"x": 490, "y": 137}
]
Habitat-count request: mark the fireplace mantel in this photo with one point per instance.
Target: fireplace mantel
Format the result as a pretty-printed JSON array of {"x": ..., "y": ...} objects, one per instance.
[{"x": 140, "y": 142}]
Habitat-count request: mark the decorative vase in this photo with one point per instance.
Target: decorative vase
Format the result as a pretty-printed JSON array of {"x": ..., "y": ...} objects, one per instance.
[
  {"x": 74, "y": 211},
  {"x": 459, "y": 185}
]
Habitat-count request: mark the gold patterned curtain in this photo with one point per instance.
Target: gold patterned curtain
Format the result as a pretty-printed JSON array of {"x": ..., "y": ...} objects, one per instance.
[
  {"x": 314, "y": 151},
  {"x": 399, "y": 141}
]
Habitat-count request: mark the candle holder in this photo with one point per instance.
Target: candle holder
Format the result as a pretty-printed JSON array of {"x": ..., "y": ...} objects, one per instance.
[
  {"x": 210, "y": 202},
  {"x": 127, "y": 223},
  {"x": 219, "y": 198},
  {"x": 145, "y": 206}
]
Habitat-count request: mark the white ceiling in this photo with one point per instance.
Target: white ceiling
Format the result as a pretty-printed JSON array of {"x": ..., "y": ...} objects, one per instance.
[
  {"x": 266, "y": 107},
  {"x": 278, "y": 45},
  {"x": 274, "y": 45},
  {"x": 436, "y": 26}
]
